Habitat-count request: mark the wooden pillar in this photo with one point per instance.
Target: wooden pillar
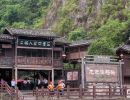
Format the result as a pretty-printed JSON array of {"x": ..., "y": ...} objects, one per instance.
[
  {"x": 16, "y": 75},
  {"x": 15, "y": 65},
  {"x": 49, "y": 75},
  {"x": 13, "y": 75},
  {"x": 82, "y": 72},
  {"x": 62, "y": 73},
  {"x": 120, "y": 72},
  {"x": 52, "y": 75}
]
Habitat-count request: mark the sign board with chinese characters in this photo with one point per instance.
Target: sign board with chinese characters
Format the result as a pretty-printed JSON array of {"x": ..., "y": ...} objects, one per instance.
[
  {"x": 72, "y": 75},
  {"x": 35, "y": 43},
  {"x": 101, "y": 72},
  {"x": 6, "y": 46}
]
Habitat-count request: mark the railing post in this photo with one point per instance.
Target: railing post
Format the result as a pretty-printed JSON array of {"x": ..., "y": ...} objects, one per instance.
[
  {"x": 42, "y": 91},
  {"x": 125, "y": 91},
  {"x": 68, "y": 91},
  {"x": 36, "y": 93},
  {"x": 110, "y": 91},
  {"x": 58, "y": 94},
  {"x": 94, "y": 91},
  {"x": 17, "y": 95},
  {"x": 80, "y": 91},
  {"x": 1, "y": 88}
]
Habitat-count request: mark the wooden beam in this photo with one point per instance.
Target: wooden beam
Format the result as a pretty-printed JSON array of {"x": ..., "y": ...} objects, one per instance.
[{"x": 24, "y": 47}]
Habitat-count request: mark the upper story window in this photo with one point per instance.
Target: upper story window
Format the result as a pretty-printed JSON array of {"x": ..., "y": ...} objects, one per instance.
[
  {"x": 34, "y": 53},
  {"x": 57, "y": 54}
]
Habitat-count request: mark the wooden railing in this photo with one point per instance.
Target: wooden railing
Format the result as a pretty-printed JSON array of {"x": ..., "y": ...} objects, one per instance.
[
  {"x": 38, "y": 61},
  {"x": 30, "y": 61},
  {"x": 6, "y": 61},
  {"x": 76, "y": 55},
  {"x": 34, "y": 60},
  {"x": 57, "y": 63},
  {"x": 11, "y": 91},
  {"x": 87, "y": 93}
]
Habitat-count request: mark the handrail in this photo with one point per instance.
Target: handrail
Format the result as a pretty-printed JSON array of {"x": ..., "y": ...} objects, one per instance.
[
  {"x": 11, "y": 91},
  {"x": 93, "y": 92}
]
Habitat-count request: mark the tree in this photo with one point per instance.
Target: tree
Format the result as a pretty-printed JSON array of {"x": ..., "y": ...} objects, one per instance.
[
  {"x": 114, "y": 30},
  {"x": 101, "y": 47},
  {"x": 77, "y": 34}
]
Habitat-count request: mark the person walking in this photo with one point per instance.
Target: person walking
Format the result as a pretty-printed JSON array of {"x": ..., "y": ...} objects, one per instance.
[
  {"x": 45, "y": 82},
  {"x": 13, "y": 83}
]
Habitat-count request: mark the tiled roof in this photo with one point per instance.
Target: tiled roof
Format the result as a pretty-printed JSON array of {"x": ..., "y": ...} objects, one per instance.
[
  {"x": 124, "y": 47},
  {"x": 31, "y": 32},
  {"x": 81, "y": 42},
  {"x": 61, "y": 40},
  {"x": 6, "y": 36}
]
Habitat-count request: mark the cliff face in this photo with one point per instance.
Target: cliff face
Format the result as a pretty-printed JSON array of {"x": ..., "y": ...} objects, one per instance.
[{"x": 83, "y": 13}]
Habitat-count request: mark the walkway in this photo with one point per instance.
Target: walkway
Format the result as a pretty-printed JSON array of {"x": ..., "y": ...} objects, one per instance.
[{"x": 28, "y": 95}]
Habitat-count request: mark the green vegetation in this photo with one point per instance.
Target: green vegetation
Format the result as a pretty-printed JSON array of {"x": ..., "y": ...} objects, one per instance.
[
  {"x": 108, "y": 21},
  {"x": 22, "y": 13},
  {"x": 108, "y": 24}
]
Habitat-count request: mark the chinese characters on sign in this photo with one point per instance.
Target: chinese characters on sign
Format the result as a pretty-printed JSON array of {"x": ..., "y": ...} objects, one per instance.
[
  {"x": 101, "y": 73},
  {"x": 34, "y": 43},
  {"x": 72, "y": 75}
]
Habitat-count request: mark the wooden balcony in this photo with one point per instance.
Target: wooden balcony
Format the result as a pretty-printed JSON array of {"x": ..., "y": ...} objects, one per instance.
[
  {"x": 6, "y": 62},
  {"x": 57, "y": 63},
  {"x": 46, "y": 61},
  {"x": 76, "y": 55}
]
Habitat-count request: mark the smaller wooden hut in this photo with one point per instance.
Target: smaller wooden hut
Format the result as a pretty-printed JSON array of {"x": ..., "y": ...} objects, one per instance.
[{"x": 124, "y": 53}]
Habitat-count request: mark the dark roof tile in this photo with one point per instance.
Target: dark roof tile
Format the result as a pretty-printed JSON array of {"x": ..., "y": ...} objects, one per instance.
[
  {"x": 31, "y": 32},
  {"x": 6, "y": 37},
  {"x": 81, "y": 42},
  {"x": 61, "y": 40},
  {"x": 124, "y": 47}
]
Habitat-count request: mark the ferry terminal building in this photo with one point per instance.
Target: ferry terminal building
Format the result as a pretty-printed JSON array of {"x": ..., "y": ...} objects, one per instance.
[
  {"x": 38, "y": 53},
  {"x": 30, "y": 51}
]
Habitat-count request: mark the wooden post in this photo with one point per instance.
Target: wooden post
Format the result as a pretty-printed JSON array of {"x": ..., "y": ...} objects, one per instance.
[
  {"x": 36, "y": 93},
  {"x": 52, "y": 62},
  {"x": 1, "y": 91},
  {"x": 68, "y": 91},
  {"x": 16, "y": 75},
  {"x": 58, "y": 94},
  {"x": 1, "y": 88},
  {"x": 15, "y": 64},
  {"x": 49, "y": 75},
  {"x": 42, "y": 91},
  {"x": 11, "y": 97},
  {"x": 52, "y": 75},
  {"x": 120, "y": 72},
  {"x": 82, "y": 72},
  {"x": 125, "y": 92},
  {"x": 80, "y": 91},
  {"x": 94, "y": 91},
  {"x": 17, "y": 95},
  {"x": 110, "y": 91}
]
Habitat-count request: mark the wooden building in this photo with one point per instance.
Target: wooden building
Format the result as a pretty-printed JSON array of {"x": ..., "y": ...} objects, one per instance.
[
  {"x": 77, "y": 50},
  {"x": 30, "y": 51},
  {"x": 124, "y": 54}
]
